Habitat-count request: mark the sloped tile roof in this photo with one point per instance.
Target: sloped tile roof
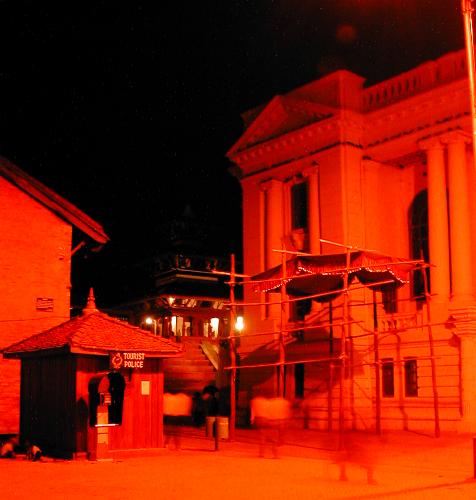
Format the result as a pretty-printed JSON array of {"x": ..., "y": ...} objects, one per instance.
[
  {"x": 53, "y": 201},
  {"x": 95, "y": 333}
]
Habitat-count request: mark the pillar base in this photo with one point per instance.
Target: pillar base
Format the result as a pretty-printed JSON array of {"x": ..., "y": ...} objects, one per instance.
[{"x": 464, "y": 327}]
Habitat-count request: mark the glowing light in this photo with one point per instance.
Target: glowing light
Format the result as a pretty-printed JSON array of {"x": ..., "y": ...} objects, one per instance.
[
  {"x": 239, "y": 324},
  {"x": 171, "y": 301},
  {"x": 214, "y": 322},
  {"x": 174, "y": 323},
  {"x": 151, "y": 321}
]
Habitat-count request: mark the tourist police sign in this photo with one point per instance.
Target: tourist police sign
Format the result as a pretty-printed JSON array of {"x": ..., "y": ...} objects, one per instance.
[{"x": 118, "y": 360}]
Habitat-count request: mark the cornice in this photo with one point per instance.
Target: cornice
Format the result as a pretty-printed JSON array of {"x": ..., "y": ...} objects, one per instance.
[
  {"x": 295, "y": 159},
  {"x": 343, "y": 127},
  {"x": 403, "y": 116}
]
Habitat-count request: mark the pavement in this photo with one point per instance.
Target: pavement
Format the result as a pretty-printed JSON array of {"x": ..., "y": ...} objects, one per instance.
[{"x": 405, "y": 465}]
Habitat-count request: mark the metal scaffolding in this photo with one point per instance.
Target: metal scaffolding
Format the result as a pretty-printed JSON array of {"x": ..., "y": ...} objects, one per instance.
[{"x": 342, "y": 360}]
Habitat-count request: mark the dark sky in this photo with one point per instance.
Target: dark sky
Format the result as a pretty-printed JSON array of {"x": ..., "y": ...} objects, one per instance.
[{"x": 127, "y": 108}]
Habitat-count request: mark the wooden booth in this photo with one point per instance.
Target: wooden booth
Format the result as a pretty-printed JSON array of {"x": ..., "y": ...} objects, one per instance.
[{"x": 93, "y": 387}]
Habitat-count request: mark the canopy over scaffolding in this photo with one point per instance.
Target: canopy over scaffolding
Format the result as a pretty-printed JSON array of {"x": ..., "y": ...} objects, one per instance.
[{"x": 306, "y": 275}]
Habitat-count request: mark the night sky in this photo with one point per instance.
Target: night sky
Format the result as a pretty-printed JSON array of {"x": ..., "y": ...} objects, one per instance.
[{"x": 127, "y": 108}]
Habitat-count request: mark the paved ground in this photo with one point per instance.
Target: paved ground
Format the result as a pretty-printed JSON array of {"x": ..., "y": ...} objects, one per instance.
[{"x": 406, "y": 465}]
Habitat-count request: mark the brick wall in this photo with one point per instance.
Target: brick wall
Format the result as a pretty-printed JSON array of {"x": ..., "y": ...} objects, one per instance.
[{"x": 35, "y": 264}]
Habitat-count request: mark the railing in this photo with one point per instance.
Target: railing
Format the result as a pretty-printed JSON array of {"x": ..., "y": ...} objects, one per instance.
[
  {"x": 426, "y": 76},
  {"x": 401, "y": 321},
  {"x": 166, "y": 262}
]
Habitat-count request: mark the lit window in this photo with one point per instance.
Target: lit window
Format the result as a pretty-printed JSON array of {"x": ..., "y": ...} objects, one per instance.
[{"x": 214, "y": 322}]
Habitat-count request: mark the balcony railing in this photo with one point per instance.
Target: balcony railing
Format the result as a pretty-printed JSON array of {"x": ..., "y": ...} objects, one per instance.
[{"x": 448, "y": 68}]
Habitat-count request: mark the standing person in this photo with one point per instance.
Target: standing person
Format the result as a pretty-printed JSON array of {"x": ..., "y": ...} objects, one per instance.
[
  {"x": 198, "y": 411},
  {"x": 210, "y": 398}
]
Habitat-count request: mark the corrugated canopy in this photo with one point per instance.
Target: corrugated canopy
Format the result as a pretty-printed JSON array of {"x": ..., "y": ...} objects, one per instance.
[{"x": 324, "y": 274}]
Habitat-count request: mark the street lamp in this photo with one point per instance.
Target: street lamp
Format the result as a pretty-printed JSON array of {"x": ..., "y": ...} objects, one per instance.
[
  {"x": 239, "y": 324},
  {"x": 151, "y": 321},
  {"x": 467, "y": 10}
]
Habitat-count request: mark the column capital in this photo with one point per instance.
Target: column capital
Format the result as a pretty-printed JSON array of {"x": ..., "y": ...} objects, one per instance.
[
  {"x": 430, "y": 143},
  {"x": 456, "y": 136},
  {"x": 268, "y": 184},
  {"x": 464, "y": 320},
  {"x": 311, "y": 170}
]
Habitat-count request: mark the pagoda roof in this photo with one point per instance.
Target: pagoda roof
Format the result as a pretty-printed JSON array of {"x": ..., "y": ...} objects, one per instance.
[{"x": 94, "y": 333}]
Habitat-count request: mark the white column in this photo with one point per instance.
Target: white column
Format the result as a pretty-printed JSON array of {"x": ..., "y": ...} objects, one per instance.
[
  {"x": 274, "y": 221},
  {"x": 313, "y": 213},
  {"x": 437, "y": 221},
  {"x": 465, "y": 329},
  {"x": 273, "y": 233},
  {"x": 460, "y": 220}
]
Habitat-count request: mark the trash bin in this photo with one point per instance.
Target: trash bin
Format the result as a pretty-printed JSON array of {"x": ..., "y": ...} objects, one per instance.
[
  {"x": 209, "y": 424},
  {"x": 222, "y": 425}
]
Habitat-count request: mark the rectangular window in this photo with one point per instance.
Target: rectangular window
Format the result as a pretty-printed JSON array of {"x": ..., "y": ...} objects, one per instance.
[
  {"x": 411, "y": 377},
  {"x": 299, "y": 380},
  {"x": 388, "y": 380},
  {"x": 389, "y": 299},
  {"x": 299, "y": 206}
]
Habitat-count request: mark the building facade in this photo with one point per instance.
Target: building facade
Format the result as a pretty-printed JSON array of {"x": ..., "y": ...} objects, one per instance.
[
  {"x": 387, "y": 168},
  {"x": 38, "y": 231}
]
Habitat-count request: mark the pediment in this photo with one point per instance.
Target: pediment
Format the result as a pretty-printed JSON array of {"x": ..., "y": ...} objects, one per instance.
[{"x": 280, "y": 116}]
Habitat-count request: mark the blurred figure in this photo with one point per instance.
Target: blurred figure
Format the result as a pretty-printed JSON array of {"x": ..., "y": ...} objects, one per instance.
[
  {"x": 270, "y": 415},
  {"x": 210, "y": 400},
  {"x": 177, "y": 407},
  {"x": 7, "y": 449},
  {"x": 354, "y": 452},
  {"x": 198, "y": 410}
]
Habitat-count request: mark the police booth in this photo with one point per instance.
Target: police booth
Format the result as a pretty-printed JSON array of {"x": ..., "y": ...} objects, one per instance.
[{"x": 93, "y": 387}]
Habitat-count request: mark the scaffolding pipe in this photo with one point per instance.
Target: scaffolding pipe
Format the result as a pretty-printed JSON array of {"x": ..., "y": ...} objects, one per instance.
[
  {"x": 432, "y": 356},
  {"x": 232, "y": 346},
  {"x": 281, "y": 380},
  {"x": 343, "y": 354},
  {"x": 378, "y": 402}
]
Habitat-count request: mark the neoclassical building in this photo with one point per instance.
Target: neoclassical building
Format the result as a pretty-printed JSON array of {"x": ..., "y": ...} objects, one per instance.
[{"x": 386, "y": 168}]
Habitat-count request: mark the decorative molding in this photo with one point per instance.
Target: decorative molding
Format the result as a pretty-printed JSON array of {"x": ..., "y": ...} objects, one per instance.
[{"x": 463, "y": 320}]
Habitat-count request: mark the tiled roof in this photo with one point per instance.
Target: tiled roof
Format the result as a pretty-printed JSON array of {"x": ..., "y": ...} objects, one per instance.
[
  {"x": 53, "y": 201},
  {"x": 95, "y": 333}
]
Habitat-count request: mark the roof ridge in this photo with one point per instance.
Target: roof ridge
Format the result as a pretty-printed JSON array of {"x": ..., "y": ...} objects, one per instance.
[{"x": 55, "y": 202}]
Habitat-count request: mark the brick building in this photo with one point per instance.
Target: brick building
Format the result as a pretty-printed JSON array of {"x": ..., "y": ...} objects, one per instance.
[
  {"x": 38, "y": 229},
  {"x": 388, "y": 168}
]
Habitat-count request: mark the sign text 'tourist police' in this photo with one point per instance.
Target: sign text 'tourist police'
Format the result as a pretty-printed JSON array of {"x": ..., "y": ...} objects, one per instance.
[{"x": 118, "y": 360}]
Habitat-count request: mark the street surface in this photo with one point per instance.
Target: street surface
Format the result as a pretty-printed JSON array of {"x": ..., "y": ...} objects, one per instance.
[{"x": 406, "y": 465}]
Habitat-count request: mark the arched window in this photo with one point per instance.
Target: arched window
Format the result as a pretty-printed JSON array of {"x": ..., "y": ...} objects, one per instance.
[{"x": 419, "y": 239}]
